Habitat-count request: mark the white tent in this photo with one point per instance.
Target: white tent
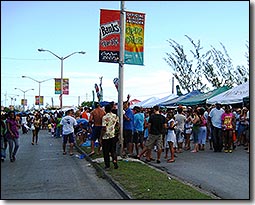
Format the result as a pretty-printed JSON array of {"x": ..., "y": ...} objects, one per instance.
[
  {"x": 159, "y": 101},
  {"x": 232, "y": 96},
  {"x": 143, "y": 103}
]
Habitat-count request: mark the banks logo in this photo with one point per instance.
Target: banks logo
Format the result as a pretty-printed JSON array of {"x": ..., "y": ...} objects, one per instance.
[{"x": 109, "y": 28}]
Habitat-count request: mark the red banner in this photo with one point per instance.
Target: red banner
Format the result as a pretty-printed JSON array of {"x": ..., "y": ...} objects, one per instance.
[
  {"x": 109, "y": 44},
  {"x": 37, "y": 100}
]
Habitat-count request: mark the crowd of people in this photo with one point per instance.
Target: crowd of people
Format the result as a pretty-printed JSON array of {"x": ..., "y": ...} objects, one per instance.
[{"x": 145, "y": 130}]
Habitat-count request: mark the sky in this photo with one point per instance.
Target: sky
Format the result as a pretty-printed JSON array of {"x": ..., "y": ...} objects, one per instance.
[{"x": 64, "y": 27}]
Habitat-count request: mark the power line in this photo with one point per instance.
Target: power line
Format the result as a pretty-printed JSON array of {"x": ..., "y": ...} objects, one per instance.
[{"x": 27, "y": 59}]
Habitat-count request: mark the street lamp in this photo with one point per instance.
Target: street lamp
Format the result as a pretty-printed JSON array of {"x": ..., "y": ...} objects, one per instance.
[
  {"x": 39, "y": 85},
  {"x": 61, "y": 59},
  {"x": 24, "y": 91},
  {"x": 12, "y": 98}
]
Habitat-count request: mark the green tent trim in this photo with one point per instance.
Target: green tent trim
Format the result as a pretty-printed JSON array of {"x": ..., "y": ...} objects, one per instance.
[{"x": 201, "y": 98}]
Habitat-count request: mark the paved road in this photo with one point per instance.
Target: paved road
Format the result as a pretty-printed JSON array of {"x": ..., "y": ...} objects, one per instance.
[
  {"x": 227, "y": 175},
  {"x": 42, "y": 172}
]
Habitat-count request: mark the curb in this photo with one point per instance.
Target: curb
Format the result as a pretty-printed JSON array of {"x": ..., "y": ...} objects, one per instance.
[{"x": 106, "y": 176}]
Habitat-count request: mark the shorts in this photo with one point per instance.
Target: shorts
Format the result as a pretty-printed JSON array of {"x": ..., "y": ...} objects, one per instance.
[
  {"x": 152, "y": 139},
  {"x": 188, "y": 131},
  {"x": 69, "y": 138},
  {"x": 96, "y": 132},
  {"x": 138, "y": 137},
  {"x": 128, "y": 136},
  {"x": 179, "y": 136}
]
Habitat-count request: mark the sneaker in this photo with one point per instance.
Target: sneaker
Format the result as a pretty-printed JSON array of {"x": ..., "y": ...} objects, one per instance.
[
  {"x": 158, "y": 161},
  {"x": 230, "y": 151},
  {"x": 226, "y": 151},
  {"x": 107, "y": 168},
  {"x": 147, "y": 160},
  {"x": 13, "y": 157},
  {"x": 115, "y": 165}
]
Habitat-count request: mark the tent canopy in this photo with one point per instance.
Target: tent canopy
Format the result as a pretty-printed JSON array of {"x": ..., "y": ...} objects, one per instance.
[
  {"x": 134, "y": 101},
  {"x": 143, "y": 103},
  {"x": 232, "y": 96},
  {"x": 202, "y": 98},
  {"x": 160, "y": 101},
  {"x": 173, "y": 102}
]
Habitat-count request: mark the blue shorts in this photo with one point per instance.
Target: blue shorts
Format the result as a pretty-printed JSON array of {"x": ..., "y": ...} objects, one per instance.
[
  {"x": 96, "y": 132},
  {"x": 69, "y": 138}
]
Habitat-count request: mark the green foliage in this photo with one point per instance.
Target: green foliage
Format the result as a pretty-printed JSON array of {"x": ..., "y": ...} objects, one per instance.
[
  {"x": 213, "y": 65},
  {"x": 87, "y": 104}
]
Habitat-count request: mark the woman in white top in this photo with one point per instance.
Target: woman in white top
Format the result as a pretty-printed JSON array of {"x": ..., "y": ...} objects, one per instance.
[{"x": 171, "y": 137}]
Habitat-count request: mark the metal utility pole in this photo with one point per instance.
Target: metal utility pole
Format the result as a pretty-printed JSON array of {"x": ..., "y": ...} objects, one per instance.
[
  {"x": 62, "y": 62},
  {"x": 121, "y": 73}
]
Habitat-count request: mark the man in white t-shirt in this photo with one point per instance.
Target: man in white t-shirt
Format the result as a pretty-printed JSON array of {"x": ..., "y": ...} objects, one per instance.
[
  {"x": 68, "y": 123},
  {"x": 180, "y": 120},
  {"x": 24, "y": 124},
  {"x": 214, "y": 119}
]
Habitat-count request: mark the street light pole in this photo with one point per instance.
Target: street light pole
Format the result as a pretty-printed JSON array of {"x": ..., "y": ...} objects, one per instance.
[
  {"x": 12, "y": 98},
  {"x": 24, "y": 92},
  {"x": 39, "y": 85},
  {"x": 62, "y": 62}
]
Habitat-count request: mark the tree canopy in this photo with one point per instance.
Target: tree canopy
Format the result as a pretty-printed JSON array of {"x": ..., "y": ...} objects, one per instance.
[{"x": 214, "y": 66}]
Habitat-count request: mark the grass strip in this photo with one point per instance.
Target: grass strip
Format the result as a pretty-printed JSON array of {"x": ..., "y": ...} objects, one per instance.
[{"x": 143, "y": 182}]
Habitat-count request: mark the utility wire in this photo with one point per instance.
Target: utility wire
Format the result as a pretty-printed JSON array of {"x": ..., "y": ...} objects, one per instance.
[{"x": 27, "y": 59}]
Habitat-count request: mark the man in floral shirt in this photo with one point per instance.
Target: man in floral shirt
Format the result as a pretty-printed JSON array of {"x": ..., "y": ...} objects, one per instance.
[{"x": 108, "y": 139}]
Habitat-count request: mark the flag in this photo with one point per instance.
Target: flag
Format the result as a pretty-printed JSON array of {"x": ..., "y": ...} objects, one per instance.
[
  {"x": 37, "y": 100},
  {"x": 109, "y": 42},
  {"x": 97, "y": 92},
  {"x": 65, "y": 86},
  {"x": 134, "y": 38}
]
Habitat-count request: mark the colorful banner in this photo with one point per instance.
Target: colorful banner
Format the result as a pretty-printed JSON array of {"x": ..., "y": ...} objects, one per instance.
[
  {"x": 134, "y": 38},
  {"x": 109, "y": 43},
  {"x": 37, "y": 100},
  {"x": 65, "y": 86},
  {"x": 24, "y": 102}
]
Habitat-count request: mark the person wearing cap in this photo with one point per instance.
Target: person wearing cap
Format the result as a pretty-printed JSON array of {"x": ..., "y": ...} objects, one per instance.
[{"x": 214, "y": 119}]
